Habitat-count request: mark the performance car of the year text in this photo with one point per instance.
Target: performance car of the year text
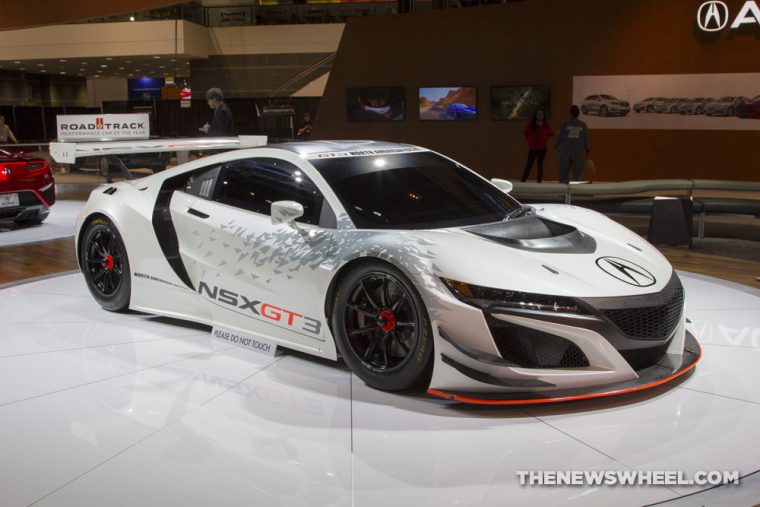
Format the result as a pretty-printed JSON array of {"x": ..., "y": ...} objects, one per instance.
[{"x": 413, "y": 269}]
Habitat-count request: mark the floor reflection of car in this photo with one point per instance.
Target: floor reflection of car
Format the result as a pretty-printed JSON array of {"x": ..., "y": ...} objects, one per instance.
[
  {"x": 27, "y": 189},
  {"x": 725, "y": 106},
  {"x": 749, "y": 109},
  {"x": 694, "y": 106},
  {"x": 605, "y": 105},
  {"x": 647, "y": 105},
  {"x": 154, "y": 161},
  {"x": 458, "y": 111}
]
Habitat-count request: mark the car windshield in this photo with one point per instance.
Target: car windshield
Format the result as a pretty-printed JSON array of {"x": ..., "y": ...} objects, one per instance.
[
  {"x": 420, "y": 190},
  {"x": 607, "y": 97}
]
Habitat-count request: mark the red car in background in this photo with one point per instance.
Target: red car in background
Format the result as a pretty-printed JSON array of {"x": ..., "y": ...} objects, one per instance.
[
  {"x": 749, "y": 109},
  {"x": 27, "y": 189}
]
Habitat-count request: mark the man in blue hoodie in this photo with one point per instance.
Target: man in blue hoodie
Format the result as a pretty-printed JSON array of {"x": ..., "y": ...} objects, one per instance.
[{"x": 572, "y": 146}]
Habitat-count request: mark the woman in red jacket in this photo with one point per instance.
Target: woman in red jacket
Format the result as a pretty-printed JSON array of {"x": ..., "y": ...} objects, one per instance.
[{"x": 537, "y": 133}]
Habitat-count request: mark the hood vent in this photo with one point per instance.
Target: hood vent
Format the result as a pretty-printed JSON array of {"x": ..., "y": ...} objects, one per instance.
[{"x": 536, "y": 234}]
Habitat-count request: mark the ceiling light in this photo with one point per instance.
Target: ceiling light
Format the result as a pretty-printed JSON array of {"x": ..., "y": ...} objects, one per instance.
[
  {"x": 62, "y": 73},
  {"x": 22, "y": 68},
  {"x": 81, "y": 70},
  {"x": 16, "y": 61},
  {"x": 109, "y": 58},
  {"x": 160, "y": 66},
  {"x": 121, "y": 68},
  {"x": 84, "y": 63},
  {"x": 157, "y": 57},
  {"x": 43, "y": 70},
  {"x": 104, "y": 66},
  {"x": 40, "y": 65},
  {"x": 129, "y": 61},
  {"x": 61, "y": 60},
  {"x": 131, "y": 18}
]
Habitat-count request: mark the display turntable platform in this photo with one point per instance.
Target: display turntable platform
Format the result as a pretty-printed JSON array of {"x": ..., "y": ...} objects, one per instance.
[
  {"x": 99, "y": 409},
  {"x": 59, "y": 224}
]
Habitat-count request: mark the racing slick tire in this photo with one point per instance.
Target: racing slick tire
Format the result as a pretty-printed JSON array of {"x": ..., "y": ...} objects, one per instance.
[
  {"x": 104, "y": 263},
  {"x": 382, "y": 329}
]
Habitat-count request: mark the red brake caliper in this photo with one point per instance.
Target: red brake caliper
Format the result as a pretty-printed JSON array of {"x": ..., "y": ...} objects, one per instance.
[
  {"x": 109, "y": 262},
  {"x": 389, "y": 320}
]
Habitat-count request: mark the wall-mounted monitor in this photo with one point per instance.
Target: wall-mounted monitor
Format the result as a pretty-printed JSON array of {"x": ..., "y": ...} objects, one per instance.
[
  {"x": 519, "y": 102},
  {"x": 377, "y": 103},
  {"x": 448, "y": 103}
]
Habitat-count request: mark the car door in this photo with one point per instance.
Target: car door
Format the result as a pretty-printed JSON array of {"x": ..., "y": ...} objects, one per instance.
[{"x": 258, "y": 276}]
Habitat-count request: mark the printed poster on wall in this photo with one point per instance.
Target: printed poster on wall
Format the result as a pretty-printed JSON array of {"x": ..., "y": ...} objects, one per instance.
[{"x": 670, "y": 101}]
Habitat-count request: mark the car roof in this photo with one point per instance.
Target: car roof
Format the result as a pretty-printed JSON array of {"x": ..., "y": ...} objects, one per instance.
[{"x": 316, "y": 147}]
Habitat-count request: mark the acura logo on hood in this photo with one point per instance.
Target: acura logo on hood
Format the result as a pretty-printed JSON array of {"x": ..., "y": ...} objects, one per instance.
[{"x": 626, "y": 271}]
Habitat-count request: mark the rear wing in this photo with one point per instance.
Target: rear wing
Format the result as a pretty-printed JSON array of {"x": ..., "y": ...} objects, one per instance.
[{"x": 67, "y": 153}]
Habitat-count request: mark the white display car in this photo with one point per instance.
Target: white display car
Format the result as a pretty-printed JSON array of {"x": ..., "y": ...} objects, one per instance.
[{"x": 414, "y": 269}]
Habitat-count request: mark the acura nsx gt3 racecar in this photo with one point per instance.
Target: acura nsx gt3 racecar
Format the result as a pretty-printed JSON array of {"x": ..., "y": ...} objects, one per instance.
[
  {"x": 412, "y": 268},
  {"x": 27, "y": 189}
]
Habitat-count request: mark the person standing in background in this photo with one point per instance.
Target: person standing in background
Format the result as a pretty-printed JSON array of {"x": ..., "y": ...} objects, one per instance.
[
  {"x": 221, "y": 123},
  {"x": 537, "y": 133},
  {"x": 5, "y": 132},
  {"x": 572, "y": 146},
  {"x": 305, "y": 129}
]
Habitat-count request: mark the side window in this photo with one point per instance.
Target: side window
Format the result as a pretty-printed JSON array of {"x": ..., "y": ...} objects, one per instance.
[{"x": 254, "y": 184}]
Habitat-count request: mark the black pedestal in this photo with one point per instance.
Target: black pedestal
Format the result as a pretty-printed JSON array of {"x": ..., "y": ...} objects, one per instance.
[{"x": 671, "y": 222}]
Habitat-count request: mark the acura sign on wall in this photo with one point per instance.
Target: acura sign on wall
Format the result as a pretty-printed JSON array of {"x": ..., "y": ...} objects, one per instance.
[
  {"x": 102, "y": 127},
  {"x": 714, "y": 16}
]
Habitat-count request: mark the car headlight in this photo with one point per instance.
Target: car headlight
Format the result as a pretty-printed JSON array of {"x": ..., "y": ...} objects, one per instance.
[{"x": 493, "y": 300}]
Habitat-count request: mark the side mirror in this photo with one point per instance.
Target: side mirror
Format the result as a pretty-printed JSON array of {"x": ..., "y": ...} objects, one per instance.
[
  {"x": 503, "y": 185},
  {"x": 285, "y": 212}
]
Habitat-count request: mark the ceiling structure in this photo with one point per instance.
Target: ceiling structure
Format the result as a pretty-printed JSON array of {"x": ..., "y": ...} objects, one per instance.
[{"x": 102, "y": 67}]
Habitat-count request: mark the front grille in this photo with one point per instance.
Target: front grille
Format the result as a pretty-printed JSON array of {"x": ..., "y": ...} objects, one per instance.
[
  {"x": 530, "y": 348},
  {"x": 651, "y": 322}
]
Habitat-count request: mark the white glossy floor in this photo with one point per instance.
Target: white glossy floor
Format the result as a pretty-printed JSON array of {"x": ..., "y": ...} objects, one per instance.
[
  {"x": 105, "y": 409},
  {"x": 59, "y": 224}
]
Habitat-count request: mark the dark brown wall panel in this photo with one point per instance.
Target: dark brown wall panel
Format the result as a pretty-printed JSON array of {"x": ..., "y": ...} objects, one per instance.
[{"x": 544, "y": 42}]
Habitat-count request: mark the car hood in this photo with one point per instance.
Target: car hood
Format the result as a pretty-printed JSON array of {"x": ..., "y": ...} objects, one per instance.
[{"x": 467, "y": 255}]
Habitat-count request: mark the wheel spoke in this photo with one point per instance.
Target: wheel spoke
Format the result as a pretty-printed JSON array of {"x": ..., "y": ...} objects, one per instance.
[
  {"x": 385, "y": 295},
  {"x": 362, "y": 330},
  {"x": 399, "y": 301},
  {"x": 367, "y": 314},
  {"x": 404, "y": 324},
  {"x": 385, "y": 349},
  {"x": 371, "y": 348},
  {"x": 401, "y": 342},
  {"x": 374, "y": 305}
]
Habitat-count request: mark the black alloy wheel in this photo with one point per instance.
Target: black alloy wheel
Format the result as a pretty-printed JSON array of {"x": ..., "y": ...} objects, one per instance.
[
  {"x": 382, "y": 329},
  {"x": 104, "y": 262},
  {"x": 603, "y": 111}
]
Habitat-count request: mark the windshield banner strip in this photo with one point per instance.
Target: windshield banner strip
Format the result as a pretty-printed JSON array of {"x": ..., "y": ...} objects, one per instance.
[{"x": 364, "y": 153}]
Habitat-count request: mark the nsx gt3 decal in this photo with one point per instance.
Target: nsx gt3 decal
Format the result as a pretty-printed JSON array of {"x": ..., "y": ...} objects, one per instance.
[{"x": 260, "y": 310}]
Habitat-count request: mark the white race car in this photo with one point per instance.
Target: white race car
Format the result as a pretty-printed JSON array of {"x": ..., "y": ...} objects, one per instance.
[{"x": 415, "y": 270}]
